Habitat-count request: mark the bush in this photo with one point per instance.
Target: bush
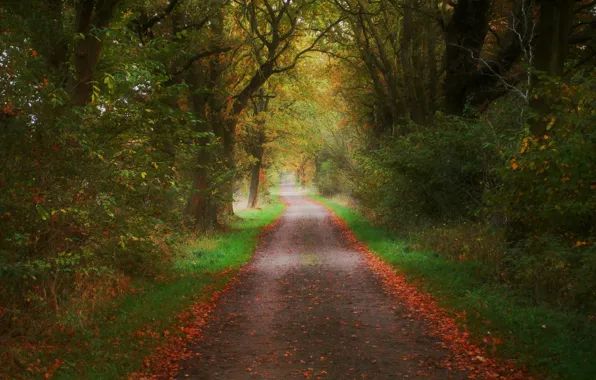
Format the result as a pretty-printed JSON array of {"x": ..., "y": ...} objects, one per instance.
[
  {"x": 550, "y": 271},
  {"x": 86, "y": 197},
  {"x": 329, "y": 179},
  {"x": 494, "y": 191},
  {"x": 430, "y": 175},
  {"x": 465, "y": 242}
]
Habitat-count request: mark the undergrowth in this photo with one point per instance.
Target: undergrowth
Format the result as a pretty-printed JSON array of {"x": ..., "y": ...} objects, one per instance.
[
  {"x": 114, "y": 341},
  {"x": 551, "y": 343}
]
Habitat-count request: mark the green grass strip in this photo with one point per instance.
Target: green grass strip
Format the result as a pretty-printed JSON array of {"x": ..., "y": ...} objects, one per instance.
[
  {"x": 552, "y": 343},
  {"x": 107, "y": 348}
]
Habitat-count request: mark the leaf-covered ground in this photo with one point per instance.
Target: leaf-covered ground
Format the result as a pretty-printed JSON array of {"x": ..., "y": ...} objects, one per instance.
[{"x": 315, "y": 303}]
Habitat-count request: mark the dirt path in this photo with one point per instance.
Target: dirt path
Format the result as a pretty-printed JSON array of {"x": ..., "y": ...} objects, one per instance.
[{"x": 309, "y": 307}]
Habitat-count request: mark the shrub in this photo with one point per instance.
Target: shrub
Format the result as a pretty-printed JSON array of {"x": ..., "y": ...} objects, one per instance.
[{"x": 431, "y": 174}]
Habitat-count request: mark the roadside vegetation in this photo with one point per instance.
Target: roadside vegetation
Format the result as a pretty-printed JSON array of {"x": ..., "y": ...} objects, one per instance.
[
  {"x": 115, "y": 339},
  {"x": 550, "y": 342}
]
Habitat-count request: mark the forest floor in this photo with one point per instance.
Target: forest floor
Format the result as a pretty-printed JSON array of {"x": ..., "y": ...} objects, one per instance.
[{"x": 315, "y": 303}]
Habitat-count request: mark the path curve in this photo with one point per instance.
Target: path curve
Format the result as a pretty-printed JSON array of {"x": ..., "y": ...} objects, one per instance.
[{"x": 308, "y": 306}]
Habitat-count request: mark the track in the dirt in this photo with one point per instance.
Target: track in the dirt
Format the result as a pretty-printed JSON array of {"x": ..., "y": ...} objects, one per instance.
[{"x": 309, "y": 307}]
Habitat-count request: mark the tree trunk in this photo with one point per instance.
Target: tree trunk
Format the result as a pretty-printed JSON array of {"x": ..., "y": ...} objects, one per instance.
[
  {"x": 90, "y": 17},
  {"x": 464, "y": 38},
  {"x": 411, "y": 94},
  {"x": 255, "y": 174},
  {"x": 201, "y": 206},
  {"x": 553, "y": 35},
  {"x": 551, "y": 50},
  {"x": 229, "y": 149},
  {"x": 57, "y": 55},
  {"x": 253, "y": 194},
  {"x": 433, "y": 76}
]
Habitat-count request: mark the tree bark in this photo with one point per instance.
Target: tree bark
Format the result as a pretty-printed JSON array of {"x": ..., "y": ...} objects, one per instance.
[
  {"x": 91, "y": 15},
  {"x": 255, "y": 174},
  {"x": 553, "y": 35},
  {"x": 414, "y": 100},
  {"x": 57, "y": 55},
  {"x": 433, "y": 77},
  {"x": 551, "y": 51},
  {"x": 203, "y": 206},
  {"x": 464, "y": 38}
]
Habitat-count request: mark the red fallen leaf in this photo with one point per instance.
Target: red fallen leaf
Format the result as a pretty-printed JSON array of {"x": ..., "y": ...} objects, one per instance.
[
  {"x": 164, "y": 362},
  {"x": 441, "y": 324}
]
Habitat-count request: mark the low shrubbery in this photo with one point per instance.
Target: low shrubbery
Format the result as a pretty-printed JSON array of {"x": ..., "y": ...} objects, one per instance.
[
  {"x": 84, "y": 207},
  {"x": 490, "y": 190},
  {"x": 124, "y": 320}
]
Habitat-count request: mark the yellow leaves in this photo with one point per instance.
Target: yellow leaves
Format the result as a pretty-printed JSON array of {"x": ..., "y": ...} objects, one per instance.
[
  {"x": 526, "y": 144},
  {"x": 143, "y": 175},
  {"x": 155, "y": 166},
  {"x": 551, "y": 123},
  {"x": 580, "y": 243}
]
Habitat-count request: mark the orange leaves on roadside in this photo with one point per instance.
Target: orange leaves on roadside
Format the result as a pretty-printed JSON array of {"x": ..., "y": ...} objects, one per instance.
[
  {"x": 465, "y": 356},
  {"x": 514, "y": 164},
  {"x": 164, "y": 362}
]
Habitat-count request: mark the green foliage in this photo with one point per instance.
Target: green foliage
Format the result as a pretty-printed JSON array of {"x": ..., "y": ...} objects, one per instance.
[
  {"x": 88, "y": 195},
  {"x": 329, "y": 178},
  {"x": 547, "y": 193},
  {"x": 549, "y": 183},
  {"x": 107, "y": 341},
  {"x": 431, "y": 174}
]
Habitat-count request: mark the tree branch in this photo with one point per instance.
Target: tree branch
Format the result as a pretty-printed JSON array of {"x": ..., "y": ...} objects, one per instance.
[{"x": 195, "y": 58}]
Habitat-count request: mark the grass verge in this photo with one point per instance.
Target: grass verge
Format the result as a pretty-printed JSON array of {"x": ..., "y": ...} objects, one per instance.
[
  {"x": 117, "y": 339},
  {"x": 551, "y": 343}
]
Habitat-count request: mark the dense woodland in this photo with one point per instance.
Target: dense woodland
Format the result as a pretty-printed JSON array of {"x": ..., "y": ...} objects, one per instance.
[{"x": 466, "y": 126}]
